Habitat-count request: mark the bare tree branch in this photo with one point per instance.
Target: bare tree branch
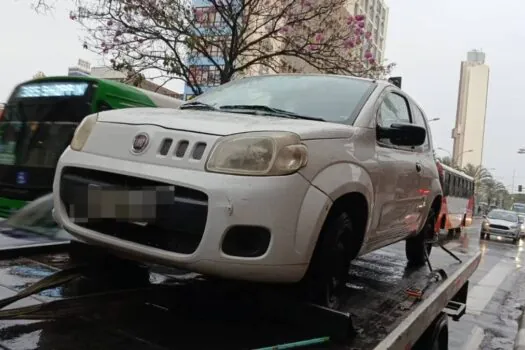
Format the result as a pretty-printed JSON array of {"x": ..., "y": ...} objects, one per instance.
[{"x": 232, "y": 37}]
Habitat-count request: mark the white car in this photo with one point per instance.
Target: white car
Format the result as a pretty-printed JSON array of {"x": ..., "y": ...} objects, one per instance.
[{"x": 279, "y": 178}]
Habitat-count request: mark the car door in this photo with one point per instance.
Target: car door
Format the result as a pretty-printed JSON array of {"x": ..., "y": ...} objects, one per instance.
[
  {"x": 426, "y": 162},
  {"x": 397, "y": 192}
]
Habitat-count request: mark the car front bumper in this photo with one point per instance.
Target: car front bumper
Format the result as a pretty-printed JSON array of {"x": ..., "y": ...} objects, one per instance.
[{"x": 287, "y": 207}]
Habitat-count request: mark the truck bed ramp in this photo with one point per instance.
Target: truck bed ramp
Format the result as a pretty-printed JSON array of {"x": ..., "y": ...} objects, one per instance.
[{"x": 50, "y": 304}]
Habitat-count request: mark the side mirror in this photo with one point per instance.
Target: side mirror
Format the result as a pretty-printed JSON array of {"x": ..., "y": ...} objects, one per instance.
[
  {"x": 484, "y": 216},
  {"x": 403, "y": 134}
]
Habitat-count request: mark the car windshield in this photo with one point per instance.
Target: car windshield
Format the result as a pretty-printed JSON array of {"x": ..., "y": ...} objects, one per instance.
[
  {"x": 330, "y": 97},
  {"x": 503, "y": 215}
]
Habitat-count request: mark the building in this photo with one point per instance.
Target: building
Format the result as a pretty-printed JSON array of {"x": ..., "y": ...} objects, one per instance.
[
  {"x": 206, "y": 75},
  {"x": 83, "y": 68},
  {"x": 376, "y": 12},
  {"x": 469, "y": 132}
]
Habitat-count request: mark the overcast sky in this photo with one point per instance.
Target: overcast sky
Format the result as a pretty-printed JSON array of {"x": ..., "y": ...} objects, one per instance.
[{"x": 427, "y": 40}]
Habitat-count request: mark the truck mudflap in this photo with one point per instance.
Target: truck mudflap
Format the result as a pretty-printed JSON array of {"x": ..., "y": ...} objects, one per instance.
[{"x": 386, "y": 305}]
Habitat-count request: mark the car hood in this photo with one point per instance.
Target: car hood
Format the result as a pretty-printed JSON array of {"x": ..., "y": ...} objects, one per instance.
[
  {"x": 501, "y": 222},
  {"x": 222, "y": 123}
]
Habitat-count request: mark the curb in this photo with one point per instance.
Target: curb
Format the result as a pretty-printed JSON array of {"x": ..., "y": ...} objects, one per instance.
[{"x": 519, "y": 342}]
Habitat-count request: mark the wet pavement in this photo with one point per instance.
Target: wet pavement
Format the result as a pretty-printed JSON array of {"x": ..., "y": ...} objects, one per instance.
[{"x": 496, "y": 296}]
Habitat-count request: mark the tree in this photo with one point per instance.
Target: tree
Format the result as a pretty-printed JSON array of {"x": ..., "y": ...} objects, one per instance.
[
  {"x": 236, "y": 36},
  {"x": 479, "y": 173}
]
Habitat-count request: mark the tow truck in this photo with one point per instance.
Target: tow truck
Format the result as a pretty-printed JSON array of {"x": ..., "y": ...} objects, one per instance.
[{"x": 54, "y": 297}]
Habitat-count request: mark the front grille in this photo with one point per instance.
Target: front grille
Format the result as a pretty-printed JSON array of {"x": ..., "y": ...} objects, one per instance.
[
  {"x": 499, "y": 227},
  {"x": 181, "y": 148},
  {"x": 177, "y": 224}
]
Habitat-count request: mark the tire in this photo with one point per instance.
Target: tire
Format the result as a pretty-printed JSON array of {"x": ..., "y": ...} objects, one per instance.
[
  {"x": 481, "y": 236},
  {"x": 457, "y": 233},
  {"x": 417, "y": 248},
  {"x": 515, "y": 241},
  {"x": 327, "y": 273}
]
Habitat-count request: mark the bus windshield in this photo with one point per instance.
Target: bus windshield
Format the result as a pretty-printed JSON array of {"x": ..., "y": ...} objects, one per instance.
[{"x": 39, "y": 121}]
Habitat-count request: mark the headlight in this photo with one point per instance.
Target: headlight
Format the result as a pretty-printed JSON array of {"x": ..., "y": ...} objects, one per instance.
[
  {"x": 83, "y": 131},
  {"x": 522, "y": 227},
  {"x": 258, "y": 153}
]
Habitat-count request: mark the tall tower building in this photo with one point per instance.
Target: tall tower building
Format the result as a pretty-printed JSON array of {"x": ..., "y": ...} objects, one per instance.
[{"x": 469, "y": 132}]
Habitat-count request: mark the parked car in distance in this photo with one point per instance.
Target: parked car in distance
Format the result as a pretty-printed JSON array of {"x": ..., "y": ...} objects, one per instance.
[
  {"x": 278, "y": 178},
  {"x": 503, "y": 224},
  {"x": 522, "y": 225}
]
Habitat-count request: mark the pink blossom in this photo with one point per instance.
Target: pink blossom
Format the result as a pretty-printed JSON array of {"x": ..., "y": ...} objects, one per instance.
[
  {"x": 105, "y": 50},
  {"x": 358, "y": 42},
  {"x": 348, "y": 44},
  {"x": 368, "y": 55},
  {"x": 110, "y": 23},
  {"x": 372, "y": 61},
  {"x": 319, "y": 37},
  {"x": 284, "y": 29},
  {"x": 350, "y": 20},
  {"x": 118, "y": 33},
  {"x": 361, "y": 24},
  {"x": 312, "y": 47},
  {"x": 306, "y": 3},
  {"x": 368, "y": 35},
  {"x": 72, "y": 16},
  {"x": 360, "y": 18}
]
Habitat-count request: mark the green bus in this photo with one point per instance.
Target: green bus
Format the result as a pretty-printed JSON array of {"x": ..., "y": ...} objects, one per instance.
[{"x": 39, "y": 120}]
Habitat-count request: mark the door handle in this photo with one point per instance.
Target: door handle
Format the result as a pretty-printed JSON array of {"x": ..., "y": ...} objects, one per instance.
[{"x": 418, "y": 167}]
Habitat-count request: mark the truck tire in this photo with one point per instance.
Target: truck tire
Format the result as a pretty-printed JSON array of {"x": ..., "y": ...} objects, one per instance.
[
  {"x": 417, "y": 248},
  {"x": 327, "y": 273},
  {"x": 435, "y": 336}
]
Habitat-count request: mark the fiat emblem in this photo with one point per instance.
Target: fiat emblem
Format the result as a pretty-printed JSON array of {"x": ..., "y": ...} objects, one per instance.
[{"x": 140, "y": 142}]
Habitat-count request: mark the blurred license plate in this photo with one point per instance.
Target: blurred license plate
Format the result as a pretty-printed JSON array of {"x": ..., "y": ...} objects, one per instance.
[{"x": 136, "y": 205}]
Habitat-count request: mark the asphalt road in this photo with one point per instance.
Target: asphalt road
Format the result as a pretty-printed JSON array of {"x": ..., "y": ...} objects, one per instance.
[{"x": 496, "y": 297}]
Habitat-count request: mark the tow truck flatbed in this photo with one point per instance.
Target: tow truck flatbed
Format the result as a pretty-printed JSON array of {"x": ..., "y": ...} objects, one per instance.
[{"x": 386, "y": 305}]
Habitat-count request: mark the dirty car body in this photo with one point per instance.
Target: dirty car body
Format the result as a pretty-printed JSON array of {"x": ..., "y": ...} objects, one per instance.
[{"x": 230, "y": 187}]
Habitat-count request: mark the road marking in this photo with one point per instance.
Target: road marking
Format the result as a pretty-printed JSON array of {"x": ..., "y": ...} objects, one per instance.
[
  {"x": 475, "y": 339},
  {"x": 482, "y": 293}
]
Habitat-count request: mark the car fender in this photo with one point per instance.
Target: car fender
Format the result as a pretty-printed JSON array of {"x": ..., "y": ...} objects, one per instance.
[{"x": 327, "y": 186}]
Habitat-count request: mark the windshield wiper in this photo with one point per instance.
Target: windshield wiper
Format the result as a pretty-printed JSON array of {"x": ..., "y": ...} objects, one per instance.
[
  {"x": 197, "y": 105},
  {"x": 269, "y": 111}
]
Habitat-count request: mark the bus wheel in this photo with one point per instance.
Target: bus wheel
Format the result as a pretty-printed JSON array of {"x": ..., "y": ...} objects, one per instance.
[
  {"x": 457, "y": 233},
  {"x": 418, "y": 248}
]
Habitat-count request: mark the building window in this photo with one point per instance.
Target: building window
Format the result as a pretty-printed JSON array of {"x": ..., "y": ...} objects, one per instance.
[
  {"x": 208, "y": 17},
  {"x": 205, "y": 75}
]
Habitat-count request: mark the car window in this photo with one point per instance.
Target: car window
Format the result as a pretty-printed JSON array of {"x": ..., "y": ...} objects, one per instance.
[
  {"x": 330, "y": 97},
  {"x": 394, "y": 109},
  {"x": 419, "y": 119}
]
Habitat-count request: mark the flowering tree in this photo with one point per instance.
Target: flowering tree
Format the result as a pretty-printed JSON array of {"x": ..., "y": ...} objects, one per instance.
[{"x": 235, "y": 37}]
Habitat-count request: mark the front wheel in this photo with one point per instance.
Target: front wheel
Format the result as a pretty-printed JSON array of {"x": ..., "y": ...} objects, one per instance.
[
  {"x": 330, "y": 263},
  {"x": 418, "y": 248}
]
